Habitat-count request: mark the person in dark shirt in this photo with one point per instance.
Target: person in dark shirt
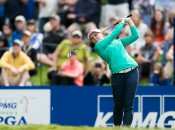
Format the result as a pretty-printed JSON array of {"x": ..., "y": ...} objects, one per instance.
[
  {"x": 31, "y": 52},
  {"x": 147, "y": 56},
  {"x": 14, "y": 8},
  {"x": 53, "y": 37},
  {"x": 84, "y": 14},
  {"x": 3, "y": 44},
  {"x": 96, "y": 76},
  {"x": 7, "y": 32},
  {"x": 20, "y": 24}
]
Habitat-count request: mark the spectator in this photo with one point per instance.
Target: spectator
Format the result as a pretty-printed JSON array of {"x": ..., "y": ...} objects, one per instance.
[
  {"x": 71, "y": 72},
  {"x": 14, "y": 8},
  {"x": 97, "y": 13},
  {"x": 29, "y": 50},
  {"x": 142, "y": 29},
  {"x": 2, "y": 13},
  {"x": 15, "y": 66},
  {"x": 20, "y": 23},
  {"x": 36, "y": 37},
  {"x": 97, "y": 76},
  {"x": 158, "y": 76},
  {"x": 83, "y": 16},
  {"x": 60, "y": 54},
  {"x": 102, "y": 22},
  {"x": 66, "y": 7},
  {"x": 147, "y": 56},
  {"x": 46, "y": 9},
  {"x": 145, "y": 7},
  {"x": 51, "y": 40},
  {"x": 53, "y": 37},
  {"x": 158, "y": 26},
  {"x": 30, "y": 10},
  {"x": 3, "y": 45},
  {"x": 168, "y": 38},
  {"x": 115, "y": 8},
  {"x": 7, "y": 31},
  {"x": 169, "y": 66}
]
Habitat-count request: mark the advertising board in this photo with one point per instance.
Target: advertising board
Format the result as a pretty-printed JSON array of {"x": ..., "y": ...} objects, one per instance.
[{"x": 28, "y": 106}]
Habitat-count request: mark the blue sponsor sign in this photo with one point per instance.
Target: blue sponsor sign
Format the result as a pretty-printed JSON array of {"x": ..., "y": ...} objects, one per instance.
[{"x": 93, "y": 106}]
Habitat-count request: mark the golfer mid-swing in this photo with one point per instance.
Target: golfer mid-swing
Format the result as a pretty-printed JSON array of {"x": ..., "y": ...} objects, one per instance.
[{"x": 125, "y": 75}]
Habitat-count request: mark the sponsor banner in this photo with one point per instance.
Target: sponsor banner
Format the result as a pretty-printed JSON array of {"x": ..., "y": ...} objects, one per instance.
[
  {"x": 24, "y": 106},
  {"x": 85, "y": 106},
  {"x": 93, "y": 106}
]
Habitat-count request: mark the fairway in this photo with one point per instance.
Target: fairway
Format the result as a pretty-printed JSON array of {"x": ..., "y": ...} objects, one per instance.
[{"x": 57, "y": 127}]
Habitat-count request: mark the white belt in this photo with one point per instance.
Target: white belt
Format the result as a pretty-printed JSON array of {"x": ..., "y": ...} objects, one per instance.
[{"x": 126, "y": 70}]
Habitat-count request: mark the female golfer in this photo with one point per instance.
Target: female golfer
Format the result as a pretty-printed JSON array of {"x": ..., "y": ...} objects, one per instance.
[{"x": 125, "y": 76}]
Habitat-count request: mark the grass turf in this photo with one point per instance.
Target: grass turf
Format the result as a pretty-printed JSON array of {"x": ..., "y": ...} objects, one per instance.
[{"x": 57, "y": 127}]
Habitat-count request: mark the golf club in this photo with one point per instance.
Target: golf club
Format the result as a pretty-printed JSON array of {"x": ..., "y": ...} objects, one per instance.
[{"x": 70, "y": 52}]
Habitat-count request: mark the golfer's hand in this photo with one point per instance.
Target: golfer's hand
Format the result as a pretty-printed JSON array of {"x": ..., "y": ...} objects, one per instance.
[{"x": 121, "y": 20}]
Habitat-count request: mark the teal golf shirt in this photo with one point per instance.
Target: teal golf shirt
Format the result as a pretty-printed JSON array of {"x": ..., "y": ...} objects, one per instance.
[{"x": 113, "y": 51}]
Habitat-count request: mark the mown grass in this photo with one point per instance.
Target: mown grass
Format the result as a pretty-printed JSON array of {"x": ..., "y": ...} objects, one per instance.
[
  {"x": 41, "y": 77},
  {"x": 57, "y": 127}
]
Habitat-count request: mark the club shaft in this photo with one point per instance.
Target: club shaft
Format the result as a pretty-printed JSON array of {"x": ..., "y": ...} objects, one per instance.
[{"x": 77, "y": 46}]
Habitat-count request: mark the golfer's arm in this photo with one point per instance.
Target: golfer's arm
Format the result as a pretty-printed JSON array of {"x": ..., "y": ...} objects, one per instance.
[{"x": 131, "y": 38}]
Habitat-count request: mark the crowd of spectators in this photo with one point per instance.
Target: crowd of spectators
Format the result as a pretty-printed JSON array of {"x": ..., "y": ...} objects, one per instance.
[{"x": 35, "y": 32}]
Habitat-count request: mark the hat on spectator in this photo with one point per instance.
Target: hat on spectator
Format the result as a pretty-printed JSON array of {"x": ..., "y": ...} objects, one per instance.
[
  {"x": 20, "y": 18},
  {"x": 28, "y": 33},
  {"x": 77, "y": 33},
  {"x": 55, "y": 16},
  {"x": 93, "y": 31},
  {"x": 31, "y": 22},
  {"x": 19, "y": 42}
]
